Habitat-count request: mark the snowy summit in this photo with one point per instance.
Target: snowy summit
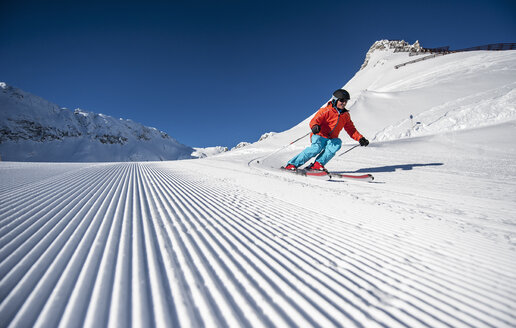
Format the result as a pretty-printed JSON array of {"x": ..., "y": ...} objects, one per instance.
[
  {"x": 34, "y": 129},
  {"x": 233, "y": 241}
]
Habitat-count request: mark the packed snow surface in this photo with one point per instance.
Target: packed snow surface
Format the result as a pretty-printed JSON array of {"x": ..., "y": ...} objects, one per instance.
[{"x": 230, "y": 241}]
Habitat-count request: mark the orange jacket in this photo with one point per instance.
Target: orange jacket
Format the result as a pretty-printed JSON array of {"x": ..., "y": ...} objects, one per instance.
[{"x": 332, "y": 122}]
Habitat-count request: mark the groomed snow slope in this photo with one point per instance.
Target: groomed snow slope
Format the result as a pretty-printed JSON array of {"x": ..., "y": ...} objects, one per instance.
[{"x": 218, "y": 242}]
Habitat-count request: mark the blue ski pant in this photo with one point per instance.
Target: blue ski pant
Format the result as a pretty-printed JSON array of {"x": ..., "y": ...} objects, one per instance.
[{"x": 324, "y": 148}]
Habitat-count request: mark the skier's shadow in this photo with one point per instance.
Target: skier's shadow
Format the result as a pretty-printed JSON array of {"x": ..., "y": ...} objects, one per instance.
[{"x": 390, "y": 168}]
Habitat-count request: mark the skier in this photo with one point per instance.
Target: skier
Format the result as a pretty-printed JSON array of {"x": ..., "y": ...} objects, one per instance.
[{"x": 326, "y": 126}]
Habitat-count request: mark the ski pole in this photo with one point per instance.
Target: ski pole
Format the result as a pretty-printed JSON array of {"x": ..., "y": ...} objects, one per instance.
[
  {"x": 277, "y": 151},
  {"x": 350, "y": 149},
  {"x": 293, "y": 142}
]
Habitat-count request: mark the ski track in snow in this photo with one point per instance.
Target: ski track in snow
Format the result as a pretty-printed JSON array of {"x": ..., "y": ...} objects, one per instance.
[{"x": 153, "y": 244}]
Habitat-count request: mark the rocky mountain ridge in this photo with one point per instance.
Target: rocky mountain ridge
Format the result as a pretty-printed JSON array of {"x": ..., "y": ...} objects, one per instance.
[
  {"x": 32, "y": 128},
  {"x": 393, "y": 45}
]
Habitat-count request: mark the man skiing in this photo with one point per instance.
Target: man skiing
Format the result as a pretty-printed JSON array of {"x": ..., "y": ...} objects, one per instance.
[{"x": 326, "y": 126}]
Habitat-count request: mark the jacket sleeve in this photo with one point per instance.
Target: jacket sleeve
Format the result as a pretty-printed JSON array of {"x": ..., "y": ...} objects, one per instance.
[
  {"x": 351, "y": 130},
  {"x": 318, "y": 118}
]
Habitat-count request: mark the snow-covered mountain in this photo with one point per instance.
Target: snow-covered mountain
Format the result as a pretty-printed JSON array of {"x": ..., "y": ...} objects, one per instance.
[
  {"x": 34, "y": 129},
  {"x": 212, "y": 151},
  {"x": 457, "y": 91},
  {"x": 231, "y": 241},
  {"x": 447, "y": 93}
]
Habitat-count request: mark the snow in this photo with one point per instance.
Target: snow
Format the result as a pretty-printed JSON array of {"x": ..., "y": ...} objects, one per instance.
[
  {"x": 34, "y": 129},
  {"x": 208, "y": 151},
  {"x": 229, "y": 241}
]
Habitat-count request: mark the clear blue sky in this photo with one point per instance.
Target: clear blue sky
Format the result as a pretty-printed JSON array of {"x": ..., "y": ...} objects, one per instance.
[{"x": 219, "y": 72}]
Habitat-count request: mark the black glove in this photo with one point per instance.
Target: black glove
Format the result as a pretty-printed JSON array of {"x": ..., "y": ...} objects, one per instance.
[
  {"x": 363, "y": 142},
  {"x": 316, "y": 128}
]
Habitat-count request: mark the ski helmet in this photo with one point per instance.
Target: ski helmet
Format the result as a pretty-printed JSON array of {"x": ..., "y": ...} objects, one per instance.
[{"x": 341, "y": 94}]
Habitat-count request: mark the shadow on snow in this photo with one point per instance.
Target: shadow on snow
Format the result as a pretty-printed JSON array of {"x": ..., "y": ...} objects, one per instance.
[{"x": 390, "y": 168}]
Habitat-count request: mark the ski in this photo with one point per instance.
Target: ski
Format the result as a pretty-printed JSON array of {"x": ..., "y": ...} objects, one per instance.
[
  {"x": 361, "y": 177},
  {"x": 331, "y": 175},
  {"x": 309, "y": 173}
]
